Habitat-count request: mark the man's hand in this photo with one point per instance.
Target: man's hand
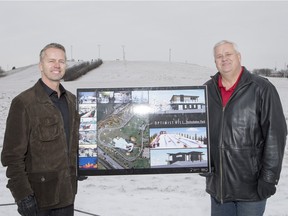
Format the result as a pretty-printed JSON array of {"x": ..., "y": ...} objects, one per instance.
[
  {"x": 27, "y": 206},
  {"x": 265, "y": 189}
]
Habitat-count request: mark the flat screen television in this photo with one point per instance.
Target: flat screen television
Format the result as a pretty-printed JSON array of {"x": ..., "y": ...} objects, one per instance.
[{"x": 145, "y": 130}]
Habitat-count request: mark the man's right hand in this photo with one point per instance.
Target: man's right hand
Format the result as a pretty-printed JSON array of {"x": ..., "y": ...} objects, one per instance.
[
  {"x": 265, "y": 189},
  {"x": 27, "y": 206}
]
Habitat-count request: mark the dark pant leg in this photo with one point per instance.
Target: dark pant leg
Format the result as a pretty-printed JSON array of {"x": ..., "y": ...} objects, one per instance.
[
  {"x": 251, "y": 208},
  {"x": 225, "y": 209}
]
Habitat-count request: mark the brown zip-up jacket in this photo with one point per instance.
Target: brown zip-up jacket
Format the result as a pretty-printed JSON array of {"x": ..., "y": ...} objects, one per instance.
[{"x": 35, "y": 150}]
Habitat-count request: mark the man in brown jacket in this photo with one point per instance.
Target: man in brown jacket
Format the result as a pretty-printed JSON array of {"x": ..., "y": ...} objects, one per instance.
[{"x": 40, "y": 143}]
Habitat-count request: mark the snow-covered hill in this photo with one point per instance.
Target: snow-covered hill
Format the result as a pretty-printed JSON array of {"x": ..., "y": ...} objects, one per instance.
[{"x": 138, "y": 195}]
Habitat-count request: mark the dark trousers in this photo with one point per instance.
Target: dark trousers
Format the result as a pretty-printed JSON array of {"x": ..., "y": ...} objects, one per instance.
[
  {"x": 65, "y": 211},
  {"x": 256, "y": 208}
]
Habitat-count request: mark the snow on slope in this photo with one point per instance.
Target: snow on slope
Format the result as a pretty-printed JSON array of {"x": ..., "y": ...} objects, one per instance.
[{"x": 138, "y": 195}]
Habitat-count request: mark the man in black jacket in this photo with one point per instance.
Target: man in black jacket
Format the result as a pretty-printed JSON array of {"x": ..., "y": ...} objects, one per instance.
[{"x": 247, "y": 135}]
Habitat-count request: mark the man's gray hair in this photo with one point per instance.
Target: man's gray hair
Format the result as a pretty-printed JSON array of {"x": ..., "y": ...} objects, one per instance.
[
  {"x": 52, "y": 45},
  {"x": 226, "y": 42}
]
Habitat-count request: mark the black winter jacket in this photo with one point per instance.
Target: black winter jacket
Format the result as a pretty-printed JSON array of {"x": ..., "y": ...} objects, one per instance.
[{"x": 247, "y": 138}]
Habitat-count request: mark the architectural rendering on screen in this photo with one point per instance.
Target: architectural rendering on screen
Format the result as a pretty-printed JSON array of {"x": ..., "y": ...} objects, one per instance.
[{"x": 143, "y": 130}]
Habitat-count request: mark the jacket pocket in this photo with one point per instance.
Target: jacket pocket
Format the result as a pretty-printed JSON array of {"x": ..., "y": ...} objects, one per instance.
[
  {"x": 49, "y": 129},
  {"x": 45, "y": 187}
]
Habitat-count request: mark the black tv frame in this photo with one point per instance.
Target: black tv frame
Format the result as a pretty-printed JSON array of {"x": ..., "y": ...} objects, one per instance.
[{"x": 116, "y": 124}]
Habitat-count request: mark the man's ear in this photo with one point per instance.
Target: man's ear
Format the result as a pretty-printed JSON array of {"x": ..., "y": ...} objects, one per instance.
[{"x": 40, "y": 66}]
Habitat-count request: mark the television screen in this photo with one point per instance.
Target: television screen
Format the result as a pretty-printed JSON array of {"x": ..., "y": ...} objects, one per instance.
[{"x": 146, "y": 130}]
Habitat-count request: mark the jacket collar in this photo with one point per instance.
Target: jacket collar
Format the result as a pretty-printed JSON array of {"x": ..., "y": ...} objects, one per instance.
[
  {"x": 50, "y": 91},
  {"x": 245, "y": 78},
  {"x": 43, "y": 97}
]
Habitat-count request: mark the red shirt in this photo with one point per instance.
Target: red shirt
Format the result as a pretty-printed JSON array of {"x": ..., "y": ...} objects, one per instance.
[{"x": 226, "y": 94}]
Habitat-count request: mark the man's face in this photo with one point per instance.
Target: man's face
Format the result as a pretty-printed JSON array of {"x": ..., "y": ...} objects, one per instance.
[
  {"x": 53, "y": 65},
  {"x": 227, "y": 59}
]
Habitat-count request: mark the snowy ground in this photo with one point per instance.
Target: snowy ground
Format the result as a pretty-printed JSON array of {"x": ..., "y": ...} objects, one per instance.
[{"x": 137, "y": 195}]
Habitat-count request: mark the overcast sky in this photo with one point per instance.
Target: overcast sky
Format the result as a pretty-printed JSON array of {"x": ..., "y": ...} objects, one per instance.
[{"x": 145, "y": 30}]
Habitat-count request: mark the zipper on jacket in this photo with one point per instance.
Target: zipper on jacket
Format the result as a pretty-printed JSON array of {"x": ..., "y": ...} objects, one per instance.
[
  {"x": 221, "y": 141},
  {"x": 220, "y": 158}
]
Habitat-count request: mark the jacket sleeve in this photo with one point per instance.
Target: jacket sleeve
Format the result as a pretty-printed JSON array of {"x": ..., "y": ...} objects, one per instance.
[
  {"x": 274, "y": 130},
  {"x": 14, "y": 151}
]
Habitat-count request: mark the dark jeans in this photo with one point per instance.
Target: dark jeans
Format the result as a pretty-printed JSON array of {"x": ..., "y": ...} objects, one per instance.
[
  {"x": 237, "y": 208},
  {"x": 65, "y": 211}
]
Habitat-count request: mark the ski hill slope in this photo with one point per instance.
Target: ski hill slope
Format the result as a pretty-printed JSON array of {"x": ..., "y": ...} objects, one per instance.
[
  {"x": 142, "y": 74},
  {"x": 137, "y": 195}
]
